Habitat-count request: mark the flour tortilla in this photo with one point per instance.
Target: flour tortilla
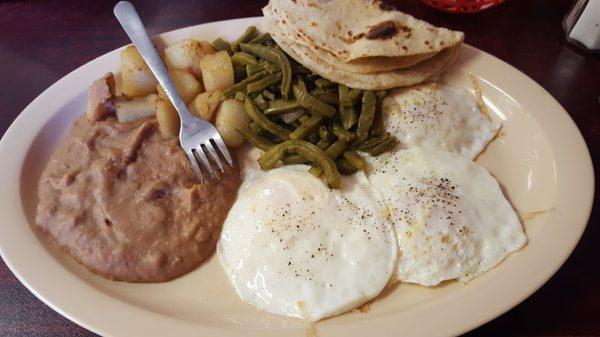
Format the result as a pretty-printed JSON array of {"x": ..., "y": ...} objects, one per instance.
[
  {"x": 354, "y": 29},
  {"x": 362, "y": 65},
  {"x": 422, "y": 71}
]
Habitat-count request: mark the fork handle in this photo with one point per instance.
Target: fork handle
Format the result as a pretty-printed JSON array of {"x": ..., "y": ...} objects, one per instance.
[{"x": 133, "y": 26}]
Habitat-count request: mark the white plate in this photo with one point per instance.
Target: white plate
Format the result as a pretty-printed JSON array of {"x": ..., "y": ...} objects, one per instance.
[{"x": 542, "y": 161}]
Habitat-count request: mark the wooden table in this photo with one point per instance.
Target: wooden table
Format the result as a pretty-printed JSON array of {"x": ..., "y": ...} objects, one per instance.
[{"x": 42, "y": 41}]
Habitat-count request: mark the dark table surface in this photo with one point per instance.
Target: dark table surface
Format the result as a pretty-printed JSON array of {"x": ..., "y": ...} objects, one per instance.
[{"x": 42, "y": 41}]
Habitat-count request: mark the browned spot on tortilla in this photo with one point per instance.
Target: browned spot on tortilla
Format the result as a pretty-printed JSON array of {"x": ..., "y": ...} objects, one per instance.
[
  {"x": 382, "y": 31},
  {"x": 313, "y": 5},
  {"x": 294, "y": 1},
  {"x": 426, "y": 42},
  {"x": 404, "y": 48},
  {"x": 313, "y": 24}
]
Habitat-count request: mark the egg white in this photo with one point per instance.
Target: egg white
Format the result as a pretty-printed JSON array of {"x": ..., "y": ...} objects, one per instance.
[
  {"x": 438, "y": 117},
  {"x": 450, "y": 215},
  {"x": 294, "y": 247}
]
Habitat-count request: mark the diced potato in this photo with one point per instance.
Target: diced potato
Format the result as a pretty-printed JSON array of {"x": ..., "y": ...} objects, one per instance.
[
  {"x": 231, "y": 115},
  {"x": 100, "y": 97},
  {"x": 130, "y": 109},
  {"x": 138, "y": 80},
  {"x": 205, "y": 104},
  {"x": 217, "y": 71},
  {"x": 187, "y": 54},
  {"x": 168, "y": 119},
  {"x": 187, "y": 86}
]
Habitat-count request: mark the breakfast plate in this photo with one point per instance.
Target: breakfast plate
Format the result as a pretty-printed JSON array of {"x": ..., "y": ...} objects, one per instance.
[{"x": 539, "y": 158}]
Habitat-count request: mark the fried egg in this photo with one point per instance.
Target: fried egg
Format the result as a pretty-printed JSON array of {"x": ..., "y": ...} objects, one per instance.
[
  {"x": 294, "y": 247},
  {"x": 451, "y": 218},
  {"x": 438, "y": 117}
]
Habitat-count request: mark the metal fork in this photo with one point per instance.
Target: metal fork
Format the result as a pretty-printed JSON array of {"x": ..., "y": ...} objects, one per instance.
[{"x": 196, "y": 136}]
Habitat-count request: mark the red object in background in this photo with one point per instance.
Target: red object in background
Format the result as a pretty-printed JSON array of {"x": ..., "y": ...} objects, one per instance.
[{"x": 463, "y": 6}]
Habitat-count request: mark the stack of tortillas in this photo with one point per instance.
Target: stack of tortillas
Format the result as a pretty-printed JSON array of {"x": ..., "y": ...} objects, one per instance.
[{"x": 362, "y": 44}]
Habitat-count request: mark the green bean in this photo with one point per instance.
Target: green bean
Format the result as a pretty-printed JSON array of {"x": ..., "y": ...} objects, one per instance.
[
  {"x": 255, "y": 128},
  {"x": 313, "y": 138},
  {"x": 268, "y": 95},
  {"x": 278, "y": 58},
  {"x": 281, "y": 106},
  {"x": 261, "y": 39},
  {"x": 366, "y": 117},
  {"x": 324, "y": 133},
  {"x": 220, "y": 44},
  {"x": 269, "y": 67},
  {"x": 312, "y": 104},
  {"x": 240, "y": 96},
  {"x": 347, "y": 96},
  {"x": 378, "y": 127},
  {"x": 304, "y": 118},
  {"x": 309, "y": 151},
  {"x": 336, "y": 149},
  {"x": 264, "y": 122},
  {"x": 347, "y": 116},
  {"x": 252, "y": 69},
  {"x": 323, "y": 83},
  {"x": 263, "y": 83},
  {"x": 248, "y": 35},
  {"x": 345, "y": 166},
  {"x": 242, "y": 85},
  {"x": 311, "y": 125},
  {"x": 385, "y": 146},
  {"x": 256, "y": 140},
  {"x": 342, "y": 133},
  {"x": 327, "y": 97},
  {"x": 241, "y": 58},
  {"x": 315, "y": 171},
  {"x": 355, "y": 159},
  {"x": 323, "y": 144},
  {"x": 260, "y": 101},
  {"x": 239, "y": 73},
  {"x": 292, "y": 159},
  {"x": 372, "y": 142}
]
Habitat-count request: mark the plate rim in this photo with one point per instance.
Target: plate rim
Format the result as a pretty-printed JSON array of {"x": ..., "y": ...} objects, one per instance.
[{"x": 97, "y": 327}]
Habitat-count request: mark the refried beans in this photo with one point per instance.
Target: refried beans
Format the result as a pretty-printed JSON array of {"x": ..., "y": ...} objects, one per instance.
[{"x": 126, "y": 204}]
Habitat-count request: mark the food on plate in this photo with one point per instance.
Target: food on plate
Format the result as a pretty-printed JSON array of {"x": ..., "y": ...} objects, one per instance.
[
  {"x": 450, "y": 215},
  {"x": 129, "y": 109},
  {"x": 205, "y": 105},
  {"x": 217, "y": 71},
  {"x": 126, "y": 203},
  {"x": 437, "y": 116},
  {"x": 119, "y": 195},
  {"x": 100, "y": 97},
  {"x": 300, "y": 117},
  {"x": 231, "y": 116},
  {"x": 347, "y": 186},
  {"x": 187, "y": 54},
  {"x": 187, "y": 86},
  {"x": 361, "y": 44},
  {"x": 167, "y": 118},
  {"x": 137, "y": 77},
  {"x": 292, "y": 246}
]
